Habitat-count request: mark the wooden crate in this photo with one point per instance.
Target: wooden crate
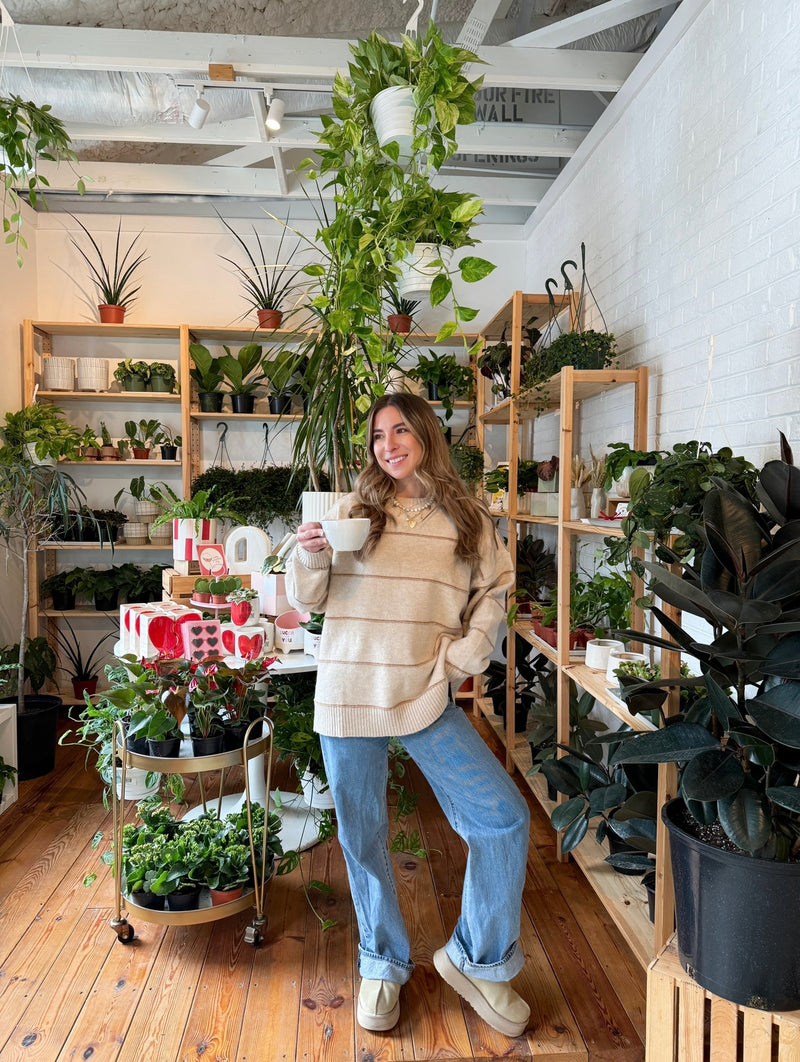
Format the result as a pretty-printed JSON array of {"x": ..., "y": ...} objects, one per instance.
[
  {"x": 178, "y": 587},
  {"x": 685, "y": 1023}
]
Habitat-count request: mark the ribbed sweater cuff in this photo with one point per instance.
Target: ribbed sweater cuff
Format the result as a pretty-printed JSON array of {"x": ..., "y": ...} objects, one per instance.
[{"x": 321, "y": 559}]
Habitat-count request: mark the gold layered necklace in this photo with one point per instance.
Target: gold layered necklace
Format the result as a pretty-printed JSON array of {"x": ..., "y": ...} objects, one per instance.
[{"x": 412, "y": 512}]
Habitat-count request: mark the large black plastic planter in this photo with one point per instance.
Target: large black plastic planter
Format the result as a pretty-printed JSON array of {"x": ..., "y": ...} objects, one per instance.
[
  {"x": 243, "y": 403},
  {"x": 738, "y": 921},
  {"x": 37, "y": 729}
]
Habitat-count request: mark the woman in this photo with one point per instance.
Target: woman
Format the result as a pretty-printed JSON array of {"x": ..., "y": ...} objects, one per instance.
[{"x": 409, "y": 616}]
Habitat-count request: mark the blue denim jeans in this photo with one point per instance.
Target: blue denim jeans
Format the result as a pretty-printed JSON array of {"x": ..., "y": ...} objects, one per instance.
[{"x": 482, "y": 805}]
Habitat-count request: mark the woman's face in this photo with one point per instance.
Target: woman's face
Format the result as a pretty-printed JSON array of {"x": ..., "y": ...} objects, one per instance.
[{"x": 396, "y": 450}]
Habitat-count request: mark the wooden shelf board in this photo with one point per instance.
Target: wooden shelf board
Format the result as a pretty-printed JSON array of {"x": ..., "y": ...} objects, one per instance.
[
  {"x": 196, "y": 415},
  {"x": 532, "y": 305},
  {"x": 527, "y": 518},
  {"x": 104, "y": 545},
  {"x": 95, "y": 396},
  {"x": 522, "y": 626},
  {"x": 609, "y": 528},
  {"x": 499, "y": 414},
  {"x": 594, "y": 682},
  {"x": 92, "y": 463},
  {"x": 249, "y": 335},
  {"x": 77, "y": 613},
  {"x": 94, "y": 328}
]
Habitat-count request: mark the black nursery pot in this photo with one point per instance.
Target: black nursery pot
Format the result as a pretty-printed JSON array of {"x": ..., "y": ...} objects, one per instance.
[
  {"x": 169, "y": 453},
  {"x": 106, "y": 602},
  {"x": 208, "y": 746},
  {"x": 738, "y": 920},
  {"x": 280, "y": 404},
  {"x": 183, "y": 899},
  {"x": 63, "y": 600},
  {"x": 37, "y": 729},
  {"x": 168, "y": 747},
  {"x": 210, "y": 401},
  {"x": 243, "y": 403}
]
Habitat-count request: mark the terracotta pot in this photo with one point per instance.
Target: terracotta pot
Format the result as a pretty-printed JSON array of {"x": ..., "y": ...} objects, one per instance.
[
  {"x": 140, "y": 453},
  {"x": 222, "y": 896},
  {"x": 109, "y": 453},
  {"x": 269, "y": 318},
  {"x": 400, "y": 323},
  {"x": 91, "y": 453},
  {"x": 111, "y": 314},
  {"x": 81, "y": 686}
]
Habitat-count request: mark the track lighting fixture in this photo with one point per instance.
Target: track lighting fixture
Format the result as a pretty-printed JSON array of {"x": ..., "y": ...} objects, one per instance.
[
  {"x": 275, "y": 114},
  {"x": 199, "y": 113}
]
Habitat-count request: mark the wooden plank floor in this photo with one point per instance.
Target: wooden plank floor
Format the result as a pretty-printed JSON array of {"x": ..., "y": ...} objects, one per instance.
[{"x": 69, "y": 990}]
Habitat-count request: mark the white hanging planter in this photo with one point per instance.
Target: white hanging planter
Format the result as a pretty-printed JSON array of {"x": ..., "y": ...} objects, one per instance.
[
  {"x": 392, "y": 112},
  {"x": 417, "y": 270}
]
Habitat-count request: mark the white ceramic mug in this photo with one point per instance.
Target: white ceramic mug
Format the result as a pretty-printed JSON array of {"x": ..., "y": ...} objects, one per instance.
[{"x": 346, "y": 534}]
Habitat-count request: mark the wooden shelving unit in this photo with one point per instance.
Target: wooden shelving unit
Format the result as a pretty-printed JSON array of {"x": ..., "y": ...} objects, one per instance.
[{"x": 621, "y": 895}]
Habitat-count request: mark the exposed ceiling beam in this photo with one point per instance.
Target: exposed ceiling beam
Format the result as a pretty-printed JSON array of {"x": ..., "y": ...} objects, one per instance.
[
  {"x": 585, "y": 23},
  {"x": 106, "y": 179},
  {"x": 284, "y": 60},
  {"x": 251, "y": 145}
]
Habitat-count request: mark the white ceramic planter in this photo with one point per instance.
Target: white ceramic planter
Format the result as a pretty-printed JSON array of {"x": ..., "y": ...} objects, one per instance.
[
  {"x": 189, "y": 535},
  {"x": 392, "y": 112},
  {"x": 288, "y": 632},
  {"x": 92, "y": 374},
  {"x": 315, "y": 793},
  {"x": 598, "y": 651},
  {"x": 311, "y": 642},
  {"x": 136, "y": 787},
  {"x": 58, "y": 374},
  {"x": 615, "y": 658},
  {"x": 417, "y": 270},
  {"x": 136, "y": 532}
]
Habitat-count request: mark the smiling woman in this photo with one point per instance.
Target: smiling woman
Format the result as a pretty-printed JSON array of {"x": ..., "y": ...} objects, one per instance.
[{"x": 377, "y": 678}]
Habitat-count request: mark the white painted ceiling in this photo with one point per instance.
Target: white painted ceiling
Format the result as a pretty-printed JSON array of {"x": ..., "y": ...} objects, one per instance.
[{"x": 122, "y": 75}]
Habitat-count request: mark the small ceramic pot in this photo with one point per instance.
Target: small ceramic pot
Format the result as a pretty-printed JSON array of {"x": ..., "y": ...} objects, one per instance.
[{"x": 598, "y": 650}]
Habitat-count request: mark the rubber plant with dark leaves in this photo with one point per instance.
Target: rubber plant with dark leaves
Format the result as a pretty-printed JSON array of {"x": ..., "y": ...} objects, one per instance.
[{"x": 738, "y": 748}]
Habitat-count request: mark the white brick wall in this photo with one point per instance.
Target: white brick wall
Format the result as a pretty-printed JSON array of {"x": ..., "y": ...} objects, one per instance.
[{"x": 687, "y": 194}]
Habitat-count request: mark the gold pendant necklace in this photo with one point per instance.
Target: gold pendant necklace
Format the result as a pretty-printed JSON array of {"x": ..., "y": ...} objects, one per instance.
[{"x": 411, "y": 512}]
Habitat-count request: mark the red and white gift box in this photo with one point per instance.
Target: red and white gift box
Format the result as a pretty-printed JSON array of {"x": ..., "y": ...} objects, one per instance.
[
  {"x": 153, "y": 630},
  {"x": 246, "y": 643}
]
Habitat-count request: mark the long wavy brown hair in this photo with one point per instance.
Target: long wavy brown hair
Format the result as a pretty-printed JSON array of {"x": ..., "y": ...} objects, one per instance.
[{"x": 374, "y": 489}]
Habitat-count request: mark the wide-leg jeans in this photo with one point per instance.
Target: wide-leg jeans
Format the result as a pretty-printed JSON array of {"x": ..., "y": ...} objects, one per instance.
[{"x": 482, "y": 805}]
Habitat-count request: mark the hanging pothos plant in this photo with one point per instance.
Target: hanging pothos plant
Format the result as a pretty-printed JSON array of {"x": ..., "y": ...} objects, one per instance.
[{"x": 28, "y": 133}]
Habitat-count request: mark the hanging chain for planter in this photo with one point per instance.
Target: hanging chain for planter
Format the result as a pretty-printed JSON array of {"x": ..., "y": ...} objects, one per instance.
[
  {"x": 586, "y": 287},
  {"x": 221, "y": 455}
]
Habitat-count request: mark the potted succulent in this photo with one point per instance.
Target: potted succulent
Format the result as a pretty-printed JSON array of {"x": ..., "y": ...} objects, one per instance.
[
  {"x": 313, "y": 632},
  {"x": 446, "y": 379},
  {"x": 241, "y": 375},
  {"x": 141, "y": 435},
  {"x": 162, "y": 377},
  {"x": 108, "y": 451},
  {"x": 400, "y": 320},
  {"x": 132, "y": 375},
  {"x": 266, "y": 288},
  {"x": 241, "y": 602},
  {"x": 28, "y": 133},
  {"x": 735, "y": 824},
  {"x": 221, "y": 587},
  {"x": 114, "y": 280},
  {"x": 207, "y": 375}
]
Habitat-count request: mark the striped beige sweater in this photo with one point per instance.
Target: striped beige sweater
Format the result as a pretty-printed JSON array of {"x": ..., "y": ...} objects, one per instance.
[{"x": 401, "y": 627}]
